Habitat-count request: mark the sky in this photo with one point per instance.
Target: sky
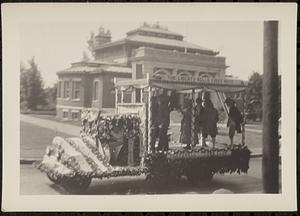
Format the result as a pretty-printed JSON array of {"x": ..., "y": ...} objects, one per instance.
[{"x": 55, "y": 46}]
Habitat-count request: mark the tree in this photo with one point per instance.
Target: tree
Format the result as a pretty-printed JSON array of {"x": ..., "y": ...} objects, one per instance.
[
  {"x": 31, "y": 86},
  {"x": 50, "y": 93},
  {"x": 254, "y": 94},
  {"x": 23, "y": 87}
]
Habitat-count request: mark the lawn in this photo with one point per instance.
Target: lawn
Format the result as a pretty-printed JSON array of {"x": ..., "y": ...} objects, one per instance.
[
  {"x": 34, "y": 139},
  {"x": 53, "y": 118}
]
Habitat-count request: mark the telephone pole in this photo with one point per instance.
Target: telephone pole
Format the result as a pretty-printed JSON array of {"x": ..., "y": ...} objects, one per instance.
[{"x": 270, "y": 166}]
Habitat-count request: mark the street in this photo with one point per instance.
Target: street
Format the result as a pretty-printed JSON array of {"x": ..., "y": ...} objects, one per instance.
[
  {"x": 33, "y": 182},
  {"x": 37, "y": 133}
]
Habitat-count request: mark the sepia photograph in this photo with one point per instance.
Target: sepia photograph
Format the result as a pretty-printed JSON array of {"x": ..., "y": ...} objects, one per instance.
[{"x": 139, "y": 108}]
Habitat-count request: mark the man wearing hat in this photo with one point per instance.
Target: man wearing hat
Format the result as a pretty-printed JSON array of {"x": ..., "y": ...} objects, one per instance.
[{"x": 235, "y": 119}]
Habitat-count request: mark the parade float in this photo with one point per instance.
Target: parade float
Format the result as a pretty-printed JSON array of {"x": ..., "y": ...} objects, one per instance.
[{"x": 122, "y": 144}]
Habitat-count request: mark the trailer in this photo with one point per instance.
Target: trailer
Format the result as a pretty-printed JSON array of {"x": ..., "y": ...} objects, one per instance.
[{"x": 121, "y": 144}]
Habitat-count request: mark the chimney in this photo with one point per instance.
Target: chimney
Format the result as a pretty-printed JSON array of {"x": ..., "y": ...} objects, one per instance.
[{"x": 102, "y": 37}]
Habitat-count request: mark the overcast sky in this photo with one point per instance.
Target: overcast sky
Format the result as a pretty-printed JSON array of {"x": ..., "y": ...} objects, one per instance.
[{"x": 56, "y": 45}]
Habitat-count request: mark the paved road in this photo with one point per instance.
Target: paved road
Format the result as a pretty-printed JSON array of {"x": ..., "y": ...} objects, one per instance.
[{"x": 33, "y": 182}]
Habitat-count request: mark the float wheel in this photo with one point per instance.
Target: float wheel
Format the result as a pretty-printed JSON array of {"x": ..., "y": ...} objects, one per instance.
[{"x": 201, "y": 178}]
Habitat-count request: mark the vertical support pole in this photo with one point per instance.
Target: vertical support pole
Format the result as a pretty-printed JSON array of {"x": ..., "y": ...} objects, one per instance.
[
  {"x": 116, "y": 100},
  {"x": 193, "y": 119},
  {"x": 149, "y": 120},
  {"x": 244, "y": 119},
  {"x": 270, "y": 109},
  {"x": 122, "y": 96},
  {"x": 142, "y": 93},
  {"x": 133, "y": 95}
]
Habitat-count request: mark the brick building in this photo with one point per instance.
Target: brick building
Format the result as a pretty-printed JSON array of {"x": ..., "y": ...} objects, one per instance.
[{"x": 148, "y": 49}]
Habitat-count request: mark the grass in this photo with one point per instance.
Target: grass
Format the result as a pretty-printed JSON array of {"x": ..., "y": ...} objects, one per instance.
[
  {"x": 54, "y": 118},
  {"x": 34, "y": 139}
]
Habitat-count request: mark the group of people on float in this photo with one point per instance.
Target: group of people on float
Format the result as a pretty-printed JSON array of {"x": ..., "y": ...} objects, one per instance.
[{"x": 205, "y": 121}]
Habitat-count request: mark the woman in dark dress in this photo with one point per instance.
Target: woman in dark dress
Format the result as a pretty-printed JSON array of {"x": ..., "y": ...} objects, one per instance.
[
  {"x": 210, "y": 122},
  {"x": 186, "y": 130}
]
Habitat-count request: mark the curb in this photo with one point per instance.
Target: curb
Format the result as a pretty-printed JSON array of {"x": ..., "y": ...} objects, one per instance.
[
  {"x": 255, "y": 155},
  {"x": 29, "y": 161}
]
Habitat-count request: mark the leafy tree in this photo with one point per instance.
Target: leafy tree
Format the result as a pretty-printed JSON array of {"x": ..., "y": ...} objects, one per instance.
[
  {"x": 23, "y": 87},
  {"x": 50, "y": 93},
  {"x": 32, "y": 87},
  {"x": 254, "y": 94}
]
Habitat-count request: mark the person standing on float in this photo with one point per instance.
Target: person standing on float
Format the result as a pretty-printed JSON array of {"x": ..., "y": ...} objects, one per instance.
[
  {"x": 235, "y": 119},
  {"x": 163, "y": 118},
  {"x": 185, "y": 128},
  {"x": 199, "y": 119},
  {"x": 210, "y": 122}
]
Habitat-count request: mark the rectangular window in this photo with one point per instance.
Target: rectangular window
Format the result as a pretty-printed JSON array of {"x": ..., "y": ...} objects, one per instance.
[
  {"x": 127, "y": 97},
  {"x": 76, "y": 89},
  {"x": 66, "y": 89},
  {"x": 139, "y": 71},
  {"x": 119, "y": 97},
  {"x": 145, "y": 97},
  {"x": 95, "y": 90},
  {"x": 75, "y": 115},
  {"x": 59, "y": 89},
  {"x": 65, "y": 114},
  {"x": 138, "y": 95}
]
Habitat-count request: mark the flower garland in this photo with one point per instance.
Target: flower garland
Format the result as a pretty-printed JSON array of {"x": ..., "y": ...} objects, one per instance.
[
  {"x": 221, "y": 161},
  {"x": 97, "y": 166},
  {"x": 101, "y": 126},
  {"x": 69, "y": 156}
]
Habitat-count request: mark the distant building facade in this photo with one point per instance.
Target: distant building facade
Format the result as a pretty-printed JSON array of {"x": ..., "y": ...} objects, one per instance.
[{"x": 152, "y": 50}]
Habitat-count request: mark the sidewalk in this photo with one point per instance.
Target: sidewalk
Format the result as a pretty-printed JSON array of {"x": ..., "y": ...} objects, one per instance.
[{"x": 33, "y": 153}]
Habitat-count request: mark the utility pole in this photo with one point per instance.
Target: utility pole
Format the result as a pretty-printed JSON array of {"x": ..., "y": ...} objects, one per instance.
[{"x": 270, "y": 161}]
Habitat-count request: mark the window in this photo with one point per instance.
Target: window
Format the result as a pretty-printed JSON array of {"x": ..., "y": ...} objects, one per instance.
[
  {"x": 66, "y": 89},
  {"x": 75, "y": 115},
  {"x": 59, "y": 89},
  {"x": 76, "y": 89},
  {"x": 138, "y": 95},
  {"x": 139, "y": 71},
  {"x": 127, "y": 97},
  {"x": 65, "y": 114},
  {"x": 95, "y": 90}
]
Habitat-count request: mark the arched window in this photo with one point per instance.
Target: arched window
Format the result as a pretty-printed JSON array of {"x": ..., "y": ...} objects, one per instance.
[
  {"x": 185, "y": 74},
  {"x": 161, "y": 74},
  {"x": 206, "y": 76}
]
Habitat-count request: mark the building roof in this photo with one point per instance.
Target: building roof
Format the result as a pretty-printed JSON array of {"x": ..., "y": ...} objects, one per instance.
[
  {"x": 154, "y": 30},
  {"x": 166, "y": 42},
  {"x": 115, "y": 69},
  {"x": 100, "y": 68},
  {"x": 156, "y": 36}
]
